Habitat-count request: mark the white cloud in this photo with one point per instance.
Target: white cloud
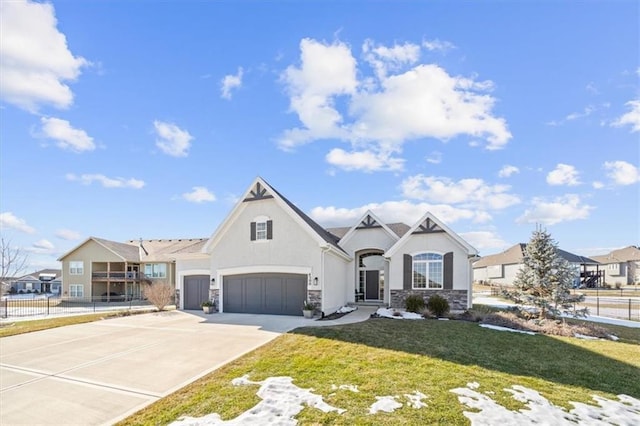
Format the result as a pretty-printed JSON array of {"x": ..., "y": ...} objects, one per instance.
[
  {"x": 591, "y": 88},
  {"x": 562, "y": 209},
  {"x": 171, "y": 139},
  {"x": 438, "y": 45},
  {"x": 66, "y": 137},
  {"x": 485, "y": 240},
  {"x": 597, "y": 184},
  {"x": 435, "y": 157},
  {"x": 631, "y": 118},
  {"x": 367, "y": 161},
  {"x": 585, "y": 113},
  {"x": 199, "y": 194},
  {"x": 467, "y": 192},
  {"x": 42, "y": 246},
  {"x": 384, "y": 59},
  {"x": 325, "y": 71},
  {"x": 563, "y": 174},
  {"x": 622, "y": 173},
  {"x": 68, "y": 234},
  {"x": 107, "y": 182},
  {"x": 230, "y": 82},
  {"x": 35, "y": 61},
  {"x": 508, "y": 170},
  {"x": 396, "y": 211},
  {"x": 404, "y": 100},
  {"x": 11, "y": 221}
]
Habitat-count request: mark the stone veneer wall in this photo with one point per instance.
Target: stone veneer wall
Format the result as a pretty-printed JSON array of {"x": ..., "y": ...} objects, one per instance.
[
  {"x": 214, "y": 295},
  {"x": 315, "y": 298},
  {"x": 457, "y": 298},
  {"x": 176, "y": 298}
]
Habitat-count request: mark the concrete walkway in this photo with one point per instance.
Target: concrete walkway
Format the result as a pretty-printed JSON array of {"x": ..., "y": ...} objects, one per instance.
[{"x": 101, "y": 372}]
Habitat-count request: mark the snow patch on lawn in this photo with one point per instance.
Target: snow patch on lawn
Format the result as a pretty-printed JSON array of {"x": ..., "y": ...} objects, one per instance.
[
  {"x": 585, "y": 337},
  {"x": 539, "y": 410},
  {"x": 281, "y": 402},
  {"x": 389, "y": 313},
  {"x": 346, "y": 309},
  {"x": 499, "y": 328},
  {"x": 388, "y": 404},
  {"x": 352, "y": 388},
  {"x": 414, "y": 400}
]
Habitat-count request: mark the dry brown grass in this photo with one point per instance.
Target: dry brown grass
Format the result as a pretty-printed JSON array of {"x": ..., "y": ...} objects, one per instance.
[{"x": 545, "y": 326}]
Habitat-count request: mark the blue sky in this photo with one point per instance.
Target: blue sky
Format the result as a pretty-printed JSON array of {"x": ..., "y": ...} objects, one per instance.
[{"x": 141, "y": 119}]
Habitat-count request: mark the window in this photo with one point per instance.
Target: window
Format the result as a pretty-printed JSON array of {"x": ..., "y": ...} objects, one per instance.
[
  {"x": 155, "y": 270},
  {"x": 427, "y": 271},
  {"x": 76, "y": 290},
  {"x": 76, "y": 267},
  {"x": 261, "y": 229}
]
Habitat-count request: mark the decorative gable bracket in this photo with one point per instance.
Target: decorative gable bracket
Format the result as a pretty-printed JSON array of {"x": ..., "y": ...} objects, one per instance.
[
  {"x": 428, "y": 227},
  {"x": 258, "y": 193},
  {"x": 369, "y": 222}
]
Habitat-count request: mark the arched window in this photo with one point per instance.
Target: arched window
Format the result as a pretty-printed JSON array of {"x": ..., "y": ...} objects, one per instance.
[{"x": 427, "y": 271}]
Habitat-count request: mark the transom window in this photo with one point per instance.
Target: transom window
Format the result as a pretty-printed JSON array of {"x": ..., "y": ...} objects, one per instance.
[
  {"x": 155, "y": 270},
  {"x": 76, "y": 267},
  {"x": 427, "y": 271},
  {"x": 76, "y": 290},
  {"x": 261, "y": 230}
]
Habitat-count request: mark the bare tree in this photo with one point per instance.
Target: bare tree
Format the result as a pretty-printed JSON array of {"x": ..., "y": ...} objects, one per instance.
[
  {"x": 160, "y": 294},
  {"x": 14, "y": 260}
]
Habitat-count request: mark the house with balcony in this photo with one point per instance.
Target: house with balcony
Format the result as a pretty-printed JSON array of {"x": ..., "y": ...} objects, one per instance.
[{"x": 106, "y": 270}]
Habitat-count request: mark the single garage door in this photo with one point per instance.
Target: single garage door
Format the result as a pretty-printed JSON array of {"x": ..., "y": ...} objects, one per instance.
[
  {"x": 276, "y": 294},
  {"x": 196, "y": 291}
]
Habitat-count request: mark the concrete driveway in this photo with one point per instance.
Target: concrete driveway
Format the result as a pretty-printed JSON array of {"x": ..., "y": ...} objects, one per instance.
[{"x": 98, "y": 373}]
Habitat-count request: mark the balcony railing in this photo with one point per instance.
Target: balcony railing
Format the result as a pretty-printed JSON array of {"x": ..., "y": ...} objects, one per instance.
[{"x": 120, "y": 275}]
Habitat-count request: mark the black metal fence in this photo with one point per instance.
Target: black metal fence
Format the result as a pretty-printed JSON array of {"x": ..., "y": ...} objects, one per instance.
[
  {"x": 41, "y": 305},
  {"x": 614, "y": 307}
]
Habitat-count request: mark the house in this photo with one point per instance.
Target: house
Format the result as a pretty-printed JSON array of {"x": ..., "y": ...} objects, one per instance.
[
  {"x": 501, "y": 268},
  {"x": 621, "y": 267},
  {"x": 267, "y": 256},
  {"x": 43, "y": 281},
  {"x": 109, "y": 270}
]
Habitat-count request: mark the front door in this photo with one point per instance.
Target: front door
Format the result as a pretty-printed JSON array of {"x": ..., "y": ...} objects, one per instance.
[{"x": 372, "y": 285}]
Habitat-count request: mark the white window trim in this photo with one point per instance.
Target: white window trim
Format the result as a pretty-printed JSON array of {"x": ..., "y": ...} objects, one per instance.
[
  {"x": 153, "y": 275},
  {"x": 427, "y": 262},
  {"x": 261, "y": 234},
  {"x": 76, "y": 286},
  {"x": 74, "y": 270}
]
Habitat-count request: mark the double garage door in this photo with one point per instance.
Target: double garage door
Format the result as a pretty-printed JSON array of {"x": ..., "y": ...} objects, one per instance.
[{"x": 276, "y": 294}]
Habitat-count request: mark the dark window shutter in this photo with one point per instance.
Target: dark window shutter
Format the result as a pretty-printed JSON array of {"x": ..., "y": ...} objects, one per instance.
[
  {"x": 253, "y": 231},
  {"x": 407, "y": 272},
  {"x": 448, "y": 271},
  {"x": 269, "y": 230}
]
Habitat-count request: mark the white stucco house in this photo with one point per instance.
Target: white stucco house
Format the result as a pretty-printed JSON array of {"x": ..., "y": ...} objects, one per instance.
[{"x": 268, "y": 257}]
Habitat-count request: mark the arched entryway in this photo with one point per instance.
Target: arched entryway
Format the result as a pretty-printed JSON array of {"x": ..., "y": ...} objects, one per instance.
[{"x": 370, "y": 276}]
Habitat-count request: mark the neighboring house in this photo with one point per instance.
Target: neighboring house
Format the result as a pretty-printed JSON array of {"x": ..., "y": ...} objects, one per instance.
[
  {"x": 501, "y": 268},
  {"x": 268, "y": 256},
  {"x": 43, "y": 281},
  {"x": 621, "y": 266},
  {"x": 109, "y": 270}
]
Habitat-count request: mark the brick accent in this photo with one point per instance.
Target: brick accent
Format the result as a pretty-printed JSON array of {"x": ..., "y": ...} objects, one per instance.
[
  {"x": 315, "y": 298},
  {"x": 457, "y": 298},
  {"x": 214, "y": 295}
]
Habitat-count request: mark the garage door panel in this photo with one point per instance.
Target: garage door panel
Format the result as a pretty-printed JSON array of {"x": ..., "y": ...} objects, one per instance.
[
  {"x": 279, "y": 294},
  {"x": 196, "y": 290}
]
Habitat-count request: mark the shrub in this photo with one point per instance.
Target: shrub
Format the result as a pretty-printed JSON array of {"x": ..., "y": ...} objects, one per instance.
[
  {"x": 159, "y": 294},
  {"x": 438, "y": 305},
  {"x": 414, "y": 303}
]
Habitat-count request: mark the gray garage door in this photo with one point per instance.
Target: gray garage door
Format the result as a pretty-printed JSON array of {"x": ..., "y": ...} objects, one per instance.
[
  {"x": 277, "y": 294},
  {"x": 196, "y": 290}
]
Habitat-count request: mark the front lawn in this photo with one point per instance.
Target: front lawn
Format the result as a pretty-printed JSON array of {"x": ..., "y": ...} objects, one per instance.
[{"x": 394, "y": 357}]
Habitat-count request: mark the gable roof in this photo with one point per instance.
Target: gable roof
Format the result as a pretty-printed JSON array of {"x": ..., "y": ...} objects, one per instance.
[
  {"x": 259, "y": 190},
  {"x": 429, "y": 224},
  {"x": 515, "y": 255},
  {"x": 368, "y": 221},
  {"x": 35, "y": 276},
  {"x": 626, "y": 254},
  {"x": 126, "y": 252},
  {"x": 162, "y": 250}
]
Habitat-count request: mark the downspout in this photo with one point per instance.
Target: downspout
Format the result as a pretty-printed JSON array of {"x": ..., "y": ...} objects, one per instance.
[{"x": 321, "y": 280}]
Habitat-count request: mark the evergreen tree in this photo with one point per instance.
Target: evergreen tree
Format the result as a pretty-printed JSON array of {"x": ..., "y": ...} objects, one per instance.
[{"x": 545, "y": 280}]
